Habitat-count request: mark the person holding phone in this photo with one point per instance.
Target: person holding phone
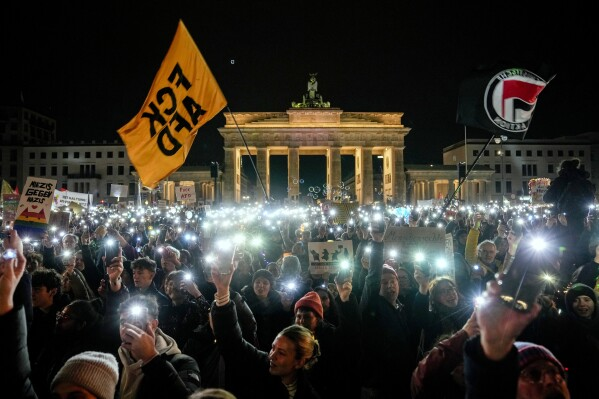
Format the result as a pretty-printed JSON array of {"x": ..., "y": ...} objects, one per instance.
[
  {"x": 280, "y": 373},
  {"x": 153, "y": 364},
  {"x": 389, "y": 354}
]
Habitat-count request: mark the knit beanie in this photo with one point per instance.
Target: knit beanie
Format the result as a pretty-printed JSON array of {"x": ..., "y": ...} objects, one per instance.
[
  {"x": 312, "y": 301},
  {"x": 264, "y": 274},
  {"x": 529, "y": 353},
  {"x": 389, "y": 269},
  {"x": 97, "y": 372},
  {"x": 577, "y": 290}
]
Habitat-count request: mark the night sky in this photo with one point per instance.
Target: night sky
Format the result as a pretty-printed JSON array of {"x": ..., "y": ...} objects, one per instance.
[{"x": 90, "y": 64}]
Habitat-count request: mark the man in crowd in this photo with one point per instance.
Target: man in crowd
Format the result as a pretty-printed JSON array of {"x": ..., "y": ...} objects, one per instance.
[{"x": 153, "y": 365}]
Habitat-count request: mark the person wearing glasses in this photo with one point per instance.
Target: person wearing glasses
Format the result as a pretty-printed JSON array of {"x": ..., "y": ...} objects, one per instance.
[
  {"x": 496, "y": 365},
  {"x": 78, "y": 328}
]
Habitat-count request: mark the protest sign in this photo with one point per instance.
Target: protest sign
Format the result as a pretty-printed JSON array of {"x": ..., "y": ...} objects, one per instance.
[
  {"x": 65, "y": 198},
  {"x": 186, "y": 194},
  {"x": 431, "y": 242},
  {"x": 35, "y": 204},
  {"x": 326, "y": 257}
]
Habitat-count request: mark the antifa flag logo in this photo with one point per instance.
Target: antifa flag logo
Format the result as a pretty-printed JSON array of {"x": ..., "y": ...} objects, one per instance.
[{"x": 510, "y": 99}]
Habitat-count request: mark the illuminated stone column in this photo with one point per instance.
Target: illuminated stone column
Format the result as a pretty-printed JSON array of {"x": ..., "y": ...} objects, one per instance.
[
  {"x": 293, "y": 173},
  {"x": 263, "y": 166},
  {"x": 231, "y": 176},
  {"x": 367, "y": 185},
  {"x": 431, "y": 189},
  {"x": 333, "y": 171}
]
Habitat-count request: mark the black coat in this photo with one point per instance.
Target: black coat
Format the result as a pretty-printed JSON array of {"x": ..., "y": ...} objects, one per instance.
[
  {"x": 237, "y": 350},
  {"x": 389, "y": 355},
  {"x": 14, "y": 362},
  {"x": 270, "y": 319}
]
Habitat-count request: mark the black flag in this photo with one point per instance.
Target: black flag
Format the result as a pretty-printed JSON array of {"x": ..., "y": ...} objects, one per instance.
[{"x": 500, "y": 100}]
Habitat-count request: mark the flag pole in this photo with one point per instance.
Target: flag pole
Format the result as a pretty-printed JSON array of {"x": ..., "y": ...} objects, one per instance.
[
  {"x": 468, "y": 170},
  {"x": 250, "y": 155}
]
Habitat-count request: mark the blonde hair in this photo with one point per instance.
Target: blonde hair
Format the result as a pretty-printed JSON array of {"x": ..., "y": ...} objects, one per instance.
[{"x": 306, "y": 346}]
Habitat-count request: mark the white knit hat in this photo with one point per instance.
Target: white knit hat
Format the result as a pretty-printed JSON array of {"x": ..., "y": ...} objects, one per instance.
[{"x": 97, "y": 372}]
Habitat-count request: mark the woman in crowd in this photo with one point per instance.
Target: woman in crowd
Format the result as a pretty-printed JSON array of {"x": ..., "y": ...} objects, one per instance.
[
  {"x": 79, "y": 328},
  {"x": 277, "y": 374},
  {"x": 265, "y": 303},
  {"x": 439, "y": 310}
]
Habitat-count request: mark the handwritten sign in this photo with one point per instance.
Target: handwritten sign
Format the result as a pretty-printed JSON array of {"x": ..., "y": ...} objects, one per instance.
[
  {"x": 65, "y": 198},
  {"x": 186, "y": 193},
  {"x": 35, "y": 204}
]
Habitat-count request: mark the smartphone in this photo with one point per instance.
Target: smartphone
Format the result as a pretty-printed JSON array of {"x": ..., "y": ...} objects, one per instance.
[
  {"x": 138, "y": 316},
  {"x": 110, "y": 252},
  {"x": 523, "y": 282},
  {"x": 225, "y": 261}
]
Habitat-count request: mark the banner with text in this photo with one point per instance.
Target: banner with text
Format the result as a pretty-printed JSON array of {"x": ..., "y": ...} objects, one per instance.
[
  {"x": 35, "y": 204},
  {"x": 65, "y": 198},
  {"x": 326, "y": 257}
]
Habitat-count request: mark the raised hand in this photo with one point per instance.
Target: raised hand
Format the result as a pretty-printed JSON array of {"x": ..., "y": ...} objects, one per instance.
[
  {"x": 12, "y": 267},
  {"x": 499, "y": 324},
  {"x": 141, "y": 343}
]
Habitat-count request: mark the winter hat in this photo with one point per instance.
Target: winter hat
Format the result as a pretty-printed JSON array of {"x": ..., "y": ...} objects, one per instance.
[
  {"x": 264, "y": 274},
  {"x": 97, "y": 372},
  {"x": 529, "y": 353},
  {"x": 577, "y": 290},
  {"x": 389, "y": 269},
  {"x": 312, "y": 301}
]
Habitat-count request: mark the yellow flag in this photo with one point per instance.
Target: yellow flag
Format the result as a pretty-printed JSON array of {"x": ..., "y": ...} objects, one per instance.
[
  {"x": 6, "y": 188},
  {"x": 183, "y": 97}
]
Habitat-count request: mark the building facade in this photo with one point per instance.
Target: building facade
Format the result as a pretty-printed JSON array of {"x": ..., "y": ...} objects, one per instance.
[{"x": 516, "y": 162}]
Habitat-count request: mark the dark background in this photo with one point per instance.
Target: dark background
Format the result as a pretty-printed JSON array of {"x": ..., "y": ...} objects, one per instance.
[{"x": 90, "y": 64}]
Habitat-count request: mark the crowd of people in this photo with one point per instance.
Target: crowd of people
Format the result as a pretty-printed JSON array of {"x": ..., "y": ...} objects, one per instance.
[{"x": 132, "y": 303}]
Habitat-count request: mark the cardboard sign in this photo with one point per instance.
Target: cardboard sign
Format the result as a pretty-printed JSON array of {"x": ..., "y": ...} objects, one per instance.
[
  {"x": 60, "y": 220},
  {"x": 35, "y": 204},
  {"x": 326, "y": 257},
  {"x": 186, "y": 193},
  {"x": 65, "y": 198},
  {"x": 119, "y": 190},
  {"x": 432, "y": 242},
  {"x": 9, "y": 209}
]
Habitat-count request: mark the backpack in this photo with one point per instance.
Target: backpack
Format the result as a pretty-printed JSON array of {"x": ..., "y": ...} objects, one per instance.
[{"x": 577, "y": 196}]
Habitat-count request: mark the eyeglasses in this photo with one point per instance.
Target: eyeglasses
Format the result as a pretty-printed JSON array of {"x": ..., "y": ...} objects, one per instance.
[{"x": 534, "y": 374}]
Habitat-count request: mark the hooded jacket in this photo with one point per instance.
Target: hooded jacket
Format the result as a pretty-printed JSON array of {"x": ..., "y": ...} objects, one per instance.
[{"x": 171, "y": 374}]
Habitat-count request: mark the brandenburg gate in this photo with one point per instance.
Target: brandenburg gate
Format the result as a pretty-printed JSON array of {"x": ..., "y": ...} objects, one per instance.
[{"x": 312, "y": 127}]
